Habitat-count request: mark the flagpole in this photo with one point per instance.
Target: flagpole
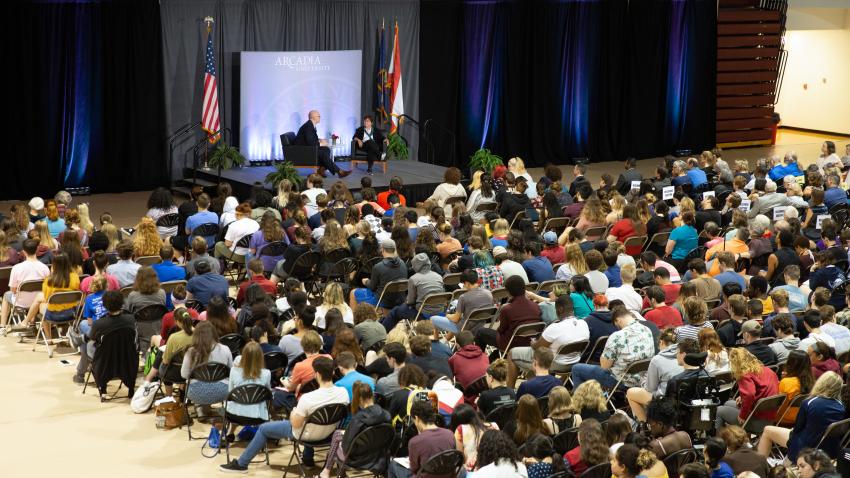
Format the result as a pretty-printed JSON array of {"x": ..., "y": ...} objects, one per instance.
[{"x": 206, "y": 167}]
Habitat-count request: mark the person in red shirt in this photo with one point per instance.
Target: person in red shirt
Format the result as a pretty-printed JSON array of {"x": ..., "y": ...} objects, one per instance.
[
  {"x": 519, "y": 310},
  {"x": 629, "y": 226},
  {"x": 178, "y": 298},
  {"x": 255, "y": 268},
  {"x": 469, "y": 363},
  {"x": 395, "y": 188},
  {"x": 552, "y": 250},
  {"x": 661, "y": 314},
  {"x": 662, "y": 279},
  {"x": 755, "y": 381}
]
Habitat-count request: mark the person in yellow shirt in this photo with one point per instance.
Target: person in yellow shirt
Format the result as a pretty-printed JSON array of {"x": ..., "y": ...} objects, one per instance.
[
  {"x": 62, "y": 278},
  {"x": 737, "y": 246}
]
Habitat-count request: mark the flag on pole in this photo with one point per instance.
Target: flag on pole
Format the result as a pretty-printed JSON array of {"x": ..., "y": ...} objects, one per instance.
[
  {"x": 396, "y": 92},
  {"x": 209, "y": 114},
  {"x": 381, "y": 81}
]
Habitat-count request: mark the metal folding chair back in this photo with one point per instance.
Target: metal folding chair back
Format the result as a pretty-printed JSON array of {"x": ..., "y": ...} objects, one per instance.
[
  {"x": 557, "y": 224},
  {"x": 451, "y": 279},
  {"x": 638, "y": 366},
  {"x": 547, "y": 286},
  {"x": 790, "y": 404},
  {"x": 476, "y": 387},
  {"x": 837, "y": 431},
  {"x": 594, "y": 233},
  {"x": 395, "y": 287},
  {"x": 765, "y": 404},
  {"x": 502, "y": 415},
  {"x": 599, "y": 345},
  {"x": 205, "y": 230},
  {"x": 60, "y": 298},
  {"x": 332, "y": 414},
  {"x": 168, "y": 220},
  {"x": 234, "y": 342},
  {"x": 635, "y": 241},
  {"x": 602, "y": 470},
  {"x": 565, "y": 440},
  {"x": 148, "y": 260},
  {"x": 483, "y": 315},
  {"x": 676, "y": 460},
  {"x": 434, "y": 300},
  {"x": 372, "y": 442},
  {"x": 276, "y": 363},
  {"x": 499, "y": 295},
  {"x": 529, "y": 329},
  {"x": 251, "y": 394},
  {"x": 445, "y": 463},
  {"x": 169, "y": 286},
  {"x": 659, "y": 238}
]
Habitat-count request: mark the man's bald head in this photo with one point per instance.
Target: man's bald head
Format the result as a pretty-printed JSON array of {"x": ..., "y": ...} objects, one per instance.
[{"x": 314, "y": 116}]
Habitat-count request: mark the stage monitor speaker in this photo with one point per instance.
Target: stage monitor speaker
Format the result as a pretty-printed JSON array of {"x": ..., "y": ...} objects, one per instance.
[
  {"x": 681, "y": 153},
  {"x": 580, "y": 160}
]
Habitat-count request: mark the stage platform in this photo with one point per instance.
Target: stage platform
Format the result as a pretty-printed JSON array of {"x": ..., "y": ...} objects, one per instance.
[{"x": 419, "y": 179}]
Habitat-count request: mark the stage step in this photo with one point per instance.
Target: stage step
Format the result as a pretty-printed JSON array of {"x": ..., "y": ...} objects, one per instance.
[
  {"x": 181, "y": 191},
  {"x": 197, "y": 182}
]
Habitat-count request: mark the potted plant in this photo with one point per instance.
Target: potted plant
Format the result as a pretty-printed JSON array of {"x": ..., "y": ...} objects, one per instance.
[
  {"x": 284, "y": 170},
  {"x": 225, "y": 156},
  {"x": 397, "y": 147},
  {"x": 485, "y": 160}
]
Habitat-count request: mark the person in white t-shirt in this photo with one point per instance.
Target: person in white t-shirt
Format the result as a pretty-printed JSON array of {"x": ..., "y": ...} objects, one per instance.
[
  {"x": 565, "y": 331},
  {"x": 509, "y": 267},
  {"x": 812, "y": 323},
  {"x": 30, "y": 269},
  {"x": 241, "y": 227},
  {"x": 297, "y": 427},
  {"x": 626, "y": 293},
  {"x": 314, "y": 188},
  {"x": 598, "y": 280}
]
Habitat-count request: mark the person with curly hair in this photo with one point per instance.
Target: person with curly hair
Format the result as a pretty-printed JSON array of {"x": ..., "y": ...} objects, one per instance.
[
  {"x": 592, "y": 448},
  {"x": 589, "y": 402},
  {"x": 146, "y": 241},
  {"x": 755, "y": 381}
]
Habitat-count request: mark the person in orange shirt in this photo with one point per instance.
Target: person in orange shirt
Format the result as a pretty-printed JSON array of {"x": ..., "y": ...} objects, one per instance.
[
  {"x": 797, "y": 378},
  {"x": 303, "y": 371},
  {"x": 395, "y": 188},
  {"x": 737, "y": 246}
]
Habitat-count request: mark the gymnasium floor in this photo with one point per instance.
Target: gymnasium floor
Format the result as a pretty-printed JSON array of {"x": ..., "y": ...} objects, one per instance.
[{"x": 49, "y": 428}]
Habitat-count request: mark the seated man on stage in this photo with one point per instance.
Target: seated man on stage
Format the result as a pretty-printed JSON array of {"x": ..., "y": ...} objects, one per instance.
[
  {"x": 307, "y": 136},
  {"x": 371, "y": 140}
]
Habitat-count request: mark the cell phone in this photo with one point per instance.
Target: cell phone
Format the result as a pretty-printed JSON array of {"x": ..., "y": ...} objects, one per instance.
[{"x": 65, "y": 362}]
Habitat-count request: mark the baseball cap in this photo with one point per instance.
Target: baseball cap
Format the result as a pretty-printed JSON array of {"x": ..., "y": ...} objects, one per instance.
[
  {"x": 36, "y": 203},
  {"x": 751, "y": 327},
  {"x": 499, "y": 251},
  {"x": 388, "y": 245},
  {"x": 549, "y": 237}
]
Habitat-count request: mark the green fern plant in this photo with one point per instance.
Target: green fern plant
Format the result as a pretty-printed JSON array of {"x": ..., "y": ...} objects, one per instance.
[
  {"x": 485, "y": 160},
  {"x": 284, "y": 170},
  {"x": 397, "y": 147},
  {"x": 225, "y": 156}
]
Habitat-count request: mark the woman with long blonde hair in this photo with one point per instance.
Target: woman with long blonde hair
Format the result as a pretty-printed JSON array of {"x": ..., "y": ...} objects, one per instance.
[
  {"x": 147, "y": 241},
  {"x": 333, "y": 298},
  {"x": 574, "y": 263},
  {"x": 617, "y": 203},
  {"x": 44, "y": 237},
  {"x": 85, "y": 218},
  {"x": 686, "y": 204},
  {"x": 501, "y": 228},
  {"x": 517, "y": 166},
  {"x": 561, "y": 416},
  {"x": 112, "y": 234},
  {"x": 590, "y": 402},
  {"x": 475, "y": 183},
  {"x": 284, "y": 187},
  {"x": 249, "y": 371},
  {"x": 334, "y": 238},
  {"x": 755, "y": 381}
]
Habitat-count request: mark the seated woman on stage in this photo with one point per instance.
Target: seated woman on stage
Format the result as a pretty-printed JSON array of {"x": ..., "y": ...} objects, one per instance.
[{"x": 371, "y": 140}]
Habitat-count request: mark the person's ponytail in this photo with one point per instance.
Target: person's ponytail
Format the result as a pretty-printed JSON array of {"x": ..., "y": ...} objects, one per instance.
[{"x": 646, "y": 459}]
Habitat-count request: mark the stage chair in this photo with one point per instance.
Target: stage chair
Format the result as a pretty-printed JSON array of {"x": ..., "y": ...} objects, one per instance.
[
  {"x": 358, "y": 156},
  {"x": 306, "y": 157}
]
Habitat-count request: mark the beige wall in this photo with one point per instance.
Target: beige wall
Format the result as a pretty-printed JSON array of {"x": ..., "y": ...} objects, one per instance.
[{"x": 816, "y": 87}]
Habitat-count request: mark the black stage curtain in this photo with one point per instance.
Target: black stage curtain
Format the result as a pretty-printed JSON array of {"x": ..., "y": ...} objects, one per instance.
[
  {"x": 279, "y": 25},
  {"x": 87, "y": 96},
  {"x": 554, "y": 80}
]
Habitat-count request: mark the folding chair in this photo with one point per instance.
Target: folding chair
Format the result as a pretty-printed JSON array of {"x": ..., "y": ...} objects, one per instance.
[
  {"x": 148, "y": 324},
  {"x": 565, "y": 440},
  {"x": 676, "y": 460},
  {"x": 303, "y": 268},
  {"x": 105, "y": 365},
  {"x": 635, "y": 241},
  {"x": 766, "y": 404},
  {"x": 5, "y": 273},
  {"x": 450, "y": 280},
  {"x": 557, "y": 224},
  {"x": 272, "y": 249},
  {"x": 502, "y": 415},
  {"x": 598, "y": 346},
  {"x": 169, "y": 286},
  {"x": 148, "y": 260},
  {"x": 478, "y": 318},
  {"x": 59, "y": 298},
  {"x": 445, "y": 463},
  {"x": 232, "y": 259},
  {"x": 499, "y": 295},
  {"x": 476, "y": 387},
  {"x": 518, "y": 217},
  {"x": 658, "y": 239},
  {"x": 602, "y": 470},
  {"x": 595, "y": 233},
  {"x": 327, "y": 265},
  {"x": 327, "y": 415},
  {"x": 526, "y": 330},
  {"x": 18, "y": 313},
  {"x": 639, "y": 366},
  {"x": 125, "y": 291},
  {"x": 566, "y": 350},
  {"x": 276, "y": 363},
  {"x": 549, "y": 285},
  {"x": 532, "y": 286},
  {"x": 458, "y": 292},
  {"x": 837, "y": 431},
  {"x": 209, "y": 372},
  {"x": 234, "y": 342},
  {"x": 168, "y": 221},
  {"x": 366, "y": 447},
  {"x": 342, "y": 270},
  {"x": 398, "y": 286},
  {"x": 486, "y": 207},
  {"x": 195, "y": 305},
  {"x": 433, "y": 300},
  {"x": 206, "y": 230},
  {"x": 251, "y": 394}
]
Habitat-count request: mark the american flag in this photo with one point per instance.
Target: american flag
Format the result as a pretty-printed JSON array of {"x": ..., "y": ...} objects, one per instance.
[{"x": 209, "y": 114}]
